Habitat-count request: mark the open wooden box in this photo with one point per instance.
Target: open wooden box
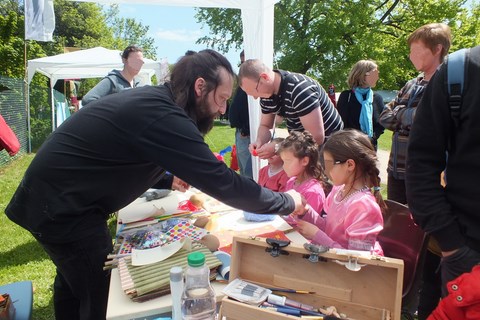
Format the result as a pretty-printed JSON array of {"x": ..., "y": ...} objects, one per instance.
[{"x": 373, "y": 292}]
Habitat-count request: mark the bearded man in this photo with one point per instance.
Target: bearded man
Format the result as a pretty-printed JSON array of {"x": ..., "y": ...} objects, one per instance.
[{"x": 109, "y": 153}]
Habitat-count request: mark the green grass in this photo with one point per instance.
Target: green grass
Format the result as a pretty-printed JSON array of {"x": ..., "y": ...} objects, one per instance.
[
  {"x": 221, "y": 137},
  {"x": 385, "y": 141},
  {"x": 22, "y": 258}
]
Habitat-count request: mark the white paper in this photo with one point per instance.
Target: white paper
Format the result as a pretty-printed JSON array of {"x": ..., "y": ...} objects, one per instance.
[
  {"x": 141, "y": 208},
  {"x": 142, "y": 257}
]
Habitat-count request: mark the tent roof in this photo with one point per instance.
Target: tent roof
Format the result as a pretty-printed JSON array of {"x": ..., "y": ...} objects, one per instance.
[{"x": 89, "y": 63}]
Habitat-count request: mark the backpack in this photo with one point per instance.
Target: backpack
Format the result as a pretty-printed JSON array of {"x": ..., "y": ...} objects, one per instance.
[{"x": 455, "y": 81}]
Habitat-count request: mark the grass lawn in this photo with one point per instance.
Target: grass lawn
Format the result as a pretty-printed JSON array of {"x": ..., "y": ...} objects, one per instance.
[{"x": 21, "y": 258}]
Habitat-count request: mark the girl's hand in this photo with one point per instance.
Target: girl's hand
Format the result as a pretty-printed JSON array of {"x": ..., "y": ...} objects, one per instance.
[{"x": 307, "y": 229}]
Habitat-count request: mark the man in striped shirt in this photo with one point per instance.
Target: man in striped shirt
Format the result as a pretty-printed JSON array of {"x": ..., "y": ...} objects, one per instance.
[{"x": 299, "y": 99}]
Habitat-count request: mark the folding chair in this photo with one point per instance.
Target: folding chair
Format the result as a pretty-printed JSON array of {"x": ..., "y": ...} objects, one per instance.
[
  {"x": 22, "y": 296},
  {"x": 401, "y": 238}
]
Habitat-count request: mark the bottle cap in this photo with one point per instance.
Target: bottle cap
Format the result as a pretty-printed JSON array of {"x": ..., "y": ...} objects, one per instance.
[
  {"x": 176, "y": 274},
  {"x": 196, "y": 259}
]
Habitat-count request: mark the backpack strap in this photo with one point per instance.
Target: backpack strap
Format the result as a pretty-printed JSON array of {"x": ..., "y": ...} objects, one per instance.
[{"x": 455, "y": 77}]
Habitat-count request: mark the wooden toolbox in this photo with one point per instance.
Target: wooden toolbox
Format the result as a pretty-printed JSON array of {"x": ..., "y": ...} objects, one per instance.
[{"x": 372, "y": 292}]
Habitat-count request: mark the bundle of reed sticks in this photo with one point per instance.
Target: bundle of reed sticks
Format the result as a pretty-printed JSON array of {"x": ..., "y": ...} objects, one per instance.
[{"x": 146, "y": 282}]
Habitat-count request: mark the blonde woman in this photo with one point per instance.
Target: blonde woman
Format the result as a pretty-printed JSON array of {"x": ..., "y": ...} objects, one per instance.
[{"x": 359, "y": 107}]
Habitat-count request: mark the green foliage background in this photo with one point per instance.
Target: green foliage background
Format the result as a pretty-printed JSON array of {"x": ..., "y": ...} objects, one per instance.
[
  {"x": 79, "y": 25},
  {"x": 325, "y": 38}
]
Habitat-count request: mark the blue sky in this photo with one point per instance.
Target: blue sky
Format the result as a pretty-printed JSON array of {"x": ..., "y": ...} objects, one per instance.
[{"x": 174, "y": 29}]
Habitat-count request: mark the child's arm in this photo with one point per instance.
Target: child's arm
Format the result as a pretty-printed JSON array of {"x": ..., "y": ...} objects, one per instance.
[
  {"x": 314, "y": 194},
  {"x": 363, "y": 223},
  {"x": 311, "y": 226},
  {"x": 313, "y": 217},
  {"x": 317, "y": 236}
]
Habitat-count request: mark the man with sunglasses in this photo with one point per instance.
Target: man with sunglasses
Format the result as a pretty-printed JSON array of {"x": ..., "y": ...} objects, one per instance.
[{"x": 299, "y": 99}]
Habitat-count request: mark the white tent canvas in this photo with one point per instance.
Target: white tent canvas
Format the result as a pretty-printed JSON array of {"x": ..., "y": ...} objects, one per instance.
[{"x": 88, "y": 63}]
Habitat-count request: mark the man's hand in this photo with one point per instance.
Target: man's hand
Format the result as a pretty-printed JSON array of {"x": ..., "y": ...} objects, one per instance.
[
  {"x": 179, "y": 185},
  {"x": 300, "y": 202},
  {"x": 266, "y": 151}
]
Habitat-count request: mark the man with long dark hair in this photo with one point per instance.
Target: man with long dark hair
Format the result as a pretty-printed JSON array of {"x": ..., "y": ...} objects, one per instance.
[{"x": 109, "y": 153}]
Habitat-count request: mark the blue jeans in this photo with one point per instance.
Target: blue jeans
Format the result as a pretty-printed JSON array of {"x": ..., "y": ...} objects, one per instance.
[{"x": 243, "y": 155}]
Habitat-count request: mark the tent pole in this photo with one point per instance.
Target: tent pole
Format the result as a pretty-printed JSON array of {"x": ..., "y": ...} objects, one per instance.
[
  {"x": 53, "y": 105},
  {"x": 27, "y": 96}
]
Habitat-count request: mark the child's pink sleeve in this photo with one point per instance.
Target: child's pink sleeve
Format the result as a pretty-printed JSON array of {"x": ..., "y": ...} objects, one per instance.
[
  {"x": 314, "y": 217},
  {"x": 314, "y": 195},
  {"x": 363, "y": 223}
]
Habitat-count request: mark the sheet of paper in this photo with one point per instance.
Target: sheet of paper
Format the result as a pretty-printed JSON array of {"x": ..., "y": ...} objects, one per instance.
[
  {"x": 157, "y": 254},
  {"x": 141, "y": 208}
]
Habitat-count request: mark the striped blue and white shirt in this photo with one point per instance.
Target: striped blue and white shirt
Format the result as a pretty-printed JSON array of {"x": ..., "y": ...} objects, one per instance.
[{"x": 298, "y": 96}]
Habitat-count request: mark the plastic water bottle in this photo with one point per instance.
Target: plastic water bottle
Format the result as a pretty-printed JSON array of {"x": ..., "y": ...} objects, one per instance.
[
  {"x": 198, "y": 298},
  {"x": 176, "y": 290}
]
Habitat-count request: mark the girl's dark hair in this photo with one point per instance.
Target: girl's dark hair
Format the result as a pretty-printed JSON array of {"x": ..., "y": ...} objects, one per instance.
[
  {"x": 130, "y": 49},
  {"x": 204, "y": 64},
  {"x": 302, "y": 144},
  {"x": 355, "y": 145}
]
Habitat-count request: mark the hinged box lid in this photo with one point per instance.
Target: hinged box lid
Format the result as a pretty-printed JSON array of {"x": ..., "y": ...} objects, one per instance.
[{"x": 374, "y": 289}]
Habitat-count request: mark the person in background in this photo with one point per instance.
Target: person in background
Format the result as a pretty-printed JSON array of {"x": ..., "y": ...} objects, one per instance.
[
  {"x": 109, "y": 154},
  {"x": 449, "y": 214},
  {"x": 299, "y": 99},
  {"x": 272, "y": 176},
  {"x": 239, "y": 119},
  {"x": 116, "y": 80},
  {"x": 299, "y": 153},
  {"x": 332, "y": 95},
  {"x": 429, "y": 45},
  {"x": 354, "y": 214},
  {"x": 359, "y": 106}
]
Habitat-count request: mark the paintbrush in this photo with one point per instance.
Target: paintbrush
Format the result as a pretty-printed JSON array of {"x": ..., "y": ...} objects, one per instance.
[{"x": 291, "y": 290}]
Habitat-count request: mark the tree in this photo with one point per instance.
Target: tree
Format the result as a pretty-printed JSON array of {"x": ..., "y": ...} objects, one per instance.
[
  {"x": 325, "y": 38},
  {"x": 78, "y": 24},
  {"x": 127, "y": 31}
]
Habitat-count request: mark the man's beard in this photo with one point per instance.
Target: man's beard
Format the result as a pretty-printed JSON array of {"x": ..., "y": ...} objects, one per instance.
[{"x": 204, "y": 117}]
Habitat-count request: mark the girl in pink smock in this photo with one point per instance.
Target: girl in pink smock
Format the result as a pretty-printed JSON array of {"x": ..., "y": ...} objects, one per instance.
[
  {"x": 354, "y": 213},
  {"x": 300, "y": 156},
  {"x": 272, "y": 176}
]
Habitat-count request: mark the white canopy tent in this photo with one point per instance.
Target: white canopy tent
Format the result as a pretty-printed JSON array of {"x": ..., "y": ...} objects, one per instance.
[
  {"x": 257, "y": 20},
  {"x": 89, "y": 63}
]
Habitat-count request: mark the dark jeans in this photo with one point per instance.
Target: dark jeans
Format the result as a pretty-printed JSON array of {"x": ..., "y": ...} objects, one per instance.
[
  {"x": 456, "y": 264},
  {"x": 396, "y": 190},
  {"x": 81, "y": 285},
  {"x": 431, "y": 289}
]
